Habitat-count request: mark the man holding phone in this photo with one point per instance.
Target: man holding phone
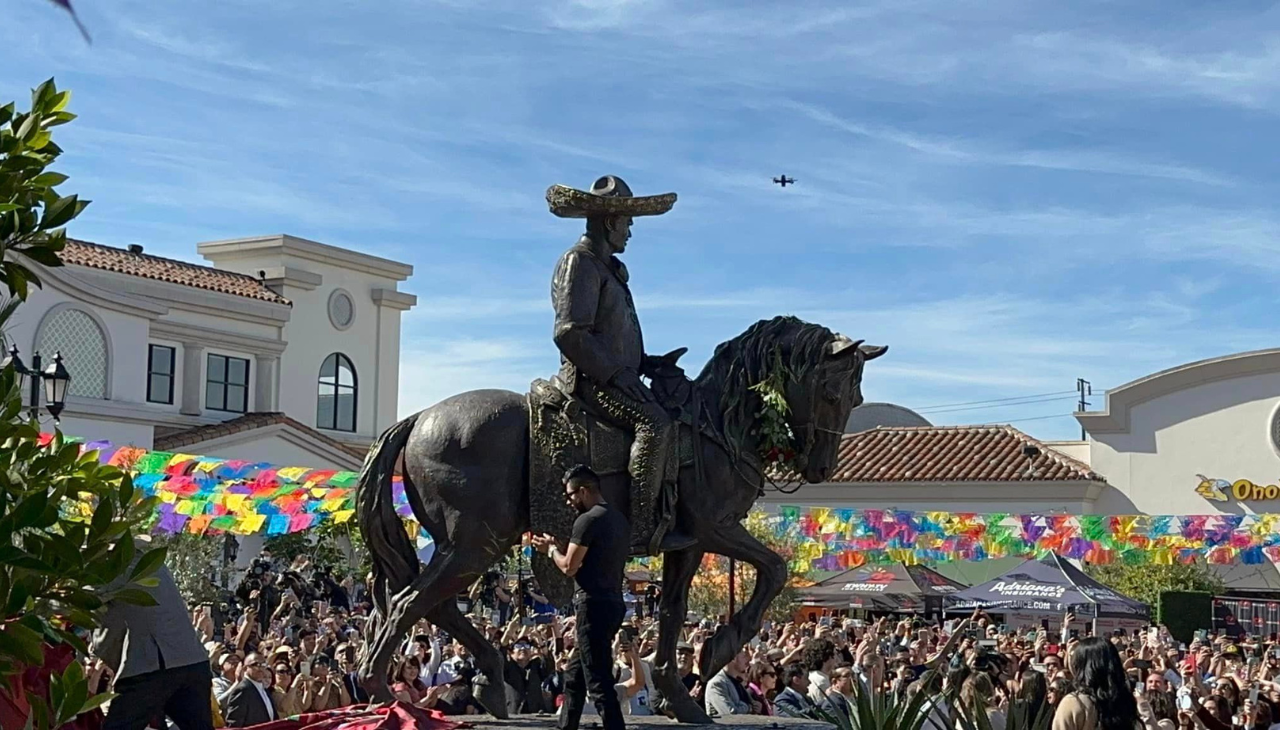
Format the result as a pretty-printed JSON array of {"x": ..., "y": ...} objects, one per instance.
[{"x": 595, "y": 559}]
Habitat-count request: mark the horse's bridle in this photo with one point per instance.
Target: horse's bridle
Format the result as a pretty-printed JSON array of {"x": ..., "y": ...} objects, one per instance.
[{"x": 810, "y": 430}]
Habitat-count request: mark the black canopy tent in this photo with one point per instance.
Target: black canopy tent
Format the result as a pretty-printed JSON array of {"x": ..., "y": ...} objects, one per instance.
[
  {"x": 1050, "y": 586},
  {"x": 896, "y": 587}
]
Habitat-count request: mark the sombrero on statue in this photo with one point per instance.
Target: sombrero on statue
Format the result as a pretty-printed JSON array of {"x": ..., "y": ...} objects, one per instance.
[{"x": 608, "y": 196}]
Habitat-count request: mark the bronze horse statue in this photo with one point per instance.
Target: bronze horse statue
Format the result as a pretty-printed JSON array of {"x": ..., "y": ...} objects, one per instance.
[{"x": 466, "y": 465}]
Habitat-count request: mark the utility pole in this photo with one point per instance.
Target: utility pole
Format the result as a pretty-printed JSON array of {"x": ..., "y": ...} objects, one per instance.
[
  {"x": 1084, "y": 388},
  {"x": 733, "y": 570}
]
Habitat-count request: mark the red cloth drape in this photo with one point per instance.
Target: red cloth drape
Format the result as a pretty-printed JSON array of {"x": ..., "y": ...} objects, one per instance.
[
  {"x": 396, "y": 716},
  {"x": 14, "y": 708}
]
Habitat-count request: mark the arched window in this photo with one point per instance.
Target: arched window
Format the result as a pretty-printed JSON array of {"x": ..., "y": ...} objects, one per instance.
[
  {"x": 336, "y": 407},
  {"x": 83, "y": 344}
]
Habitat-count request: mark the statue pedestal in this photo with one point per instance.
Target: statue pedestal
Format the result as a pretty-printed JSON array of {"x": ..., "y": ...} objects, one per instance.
[{"x": 548, "y": 722}]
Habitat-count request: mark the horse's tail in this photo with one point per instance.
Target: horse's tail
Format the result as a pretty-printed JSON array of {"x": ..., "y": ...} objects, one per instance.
[{"x": 395, "y": 562}]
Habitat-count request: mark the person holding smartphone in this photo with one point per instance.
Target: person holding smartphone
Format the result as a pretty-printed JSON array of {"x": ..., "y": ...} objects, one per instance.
[{"x": 596, "y": 559}]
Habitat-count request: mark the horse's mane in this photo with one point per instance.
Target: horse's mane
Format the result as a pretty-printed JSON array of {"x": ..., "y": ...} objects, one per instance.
[{"x": 745, "y": 360}]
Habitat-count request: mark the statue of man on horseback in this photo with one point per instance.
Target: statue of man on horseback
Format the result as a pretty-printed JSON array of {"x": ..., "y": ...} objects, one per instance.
[
  {"x": 602, "y": 349},
  {"x": 478, "y": 468}
]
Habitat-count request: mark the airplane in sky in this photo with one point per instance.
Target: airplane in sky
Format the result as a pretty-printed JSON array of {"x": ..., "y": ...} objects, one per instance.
[{"x": 784, "y": 181}]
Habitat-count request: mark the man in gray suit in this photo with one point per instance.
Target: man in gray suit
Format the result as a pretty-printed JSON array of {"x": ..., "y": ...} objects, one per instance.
[
  {"x": 159, "y": 664},
  {"x": 726, "y": 693}
]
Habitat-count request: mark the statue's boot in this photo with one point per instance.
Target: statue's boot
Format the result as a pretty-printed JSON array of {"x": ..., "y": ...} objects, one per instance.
[
  {"x": 667, "y": 539},
  {"x": 664, "y": 537}
]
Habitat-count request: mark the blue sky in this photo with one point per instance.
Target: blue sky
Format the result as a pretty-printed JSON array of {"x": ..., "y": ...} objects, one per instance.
[{"x": 1011, "y": 194}]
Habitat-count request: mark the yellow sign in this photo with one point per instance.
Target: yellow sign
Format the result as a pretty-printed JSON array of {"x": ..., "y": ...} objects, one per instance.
[{"x": 1242, "y": 490}]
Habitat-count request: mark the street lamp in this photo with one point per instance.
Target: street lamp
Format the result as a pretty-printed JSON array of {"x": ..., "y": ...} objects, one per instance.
[{"x": 55, "y": 377}]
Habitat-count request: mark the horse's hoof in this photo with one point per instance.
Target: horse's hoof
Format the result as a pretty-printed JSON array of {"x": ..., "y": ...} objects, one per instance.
[
  {"x": 687, "y": 711},
  {"x": 493, "y": 697}
]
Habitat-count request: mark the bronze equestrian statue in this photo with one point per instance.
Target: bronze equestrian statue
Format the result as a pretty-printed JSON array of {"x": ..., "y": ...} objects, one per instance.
[{"x": 686, "y": 459}]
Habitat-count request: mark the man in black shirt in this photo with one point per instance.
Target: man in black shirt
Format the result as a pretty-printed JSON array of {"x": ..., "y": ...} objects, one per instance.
[
  {"x": 595, "y": 559},
  {"x": 525, "y": 675}
]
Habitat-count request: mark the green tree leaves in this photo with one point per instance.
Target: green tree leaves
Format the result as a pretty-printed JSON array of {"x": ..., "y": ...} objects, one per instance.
[
  {"x": 33, "y": 215},
  {"x": 1147, "y": 582},
  {"x": 66, "y": 520}
]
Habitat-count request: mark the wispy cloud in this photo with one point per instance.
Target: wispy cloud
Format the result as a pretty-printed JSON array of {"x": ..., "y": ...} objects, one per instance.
[
  {"x": 1246, "y": 74},
  {"x": 963, "y": 151}
]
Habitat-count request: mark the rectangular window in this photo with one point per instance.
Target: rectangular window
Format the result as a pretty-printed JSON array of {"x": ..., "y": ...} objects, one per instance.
[
  {"x": 227, "y": 384},
  {"x": 160, "y": 374}
]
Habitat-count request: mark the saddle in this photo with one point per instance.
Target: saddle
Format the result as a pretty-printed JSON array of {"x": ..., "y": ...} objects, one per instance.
[{"x": 563, "y": 432}]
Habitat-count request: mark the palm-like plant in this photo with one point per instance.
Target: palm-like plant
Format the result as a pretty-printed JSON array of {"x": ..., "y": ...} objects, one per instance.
[
  {"x": 871, "y": 710},
  {"x": 876, "y": 710}
]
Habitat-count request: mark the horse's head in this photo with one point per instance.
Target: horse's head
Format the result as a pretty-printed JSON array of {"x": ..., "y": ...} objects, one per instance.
[
  {"x": 820, "y": 377},
  {"x": 834, "y": 389}
]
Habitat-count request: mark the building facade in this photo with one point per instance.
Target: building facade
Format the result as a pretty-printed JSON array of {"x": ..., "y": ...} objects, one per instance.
[
  {"x": 1200, "y": 438},
  {"x": 284, "y": 350}
]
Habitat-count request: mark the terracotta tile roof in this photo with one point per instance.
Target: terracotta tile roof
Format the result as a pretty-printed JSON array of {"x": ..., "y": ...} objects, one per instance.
[
  {"x": 952, "y": 454},
  {"x": 248, "y": 422},
  {"x": 124, "y": 261}
]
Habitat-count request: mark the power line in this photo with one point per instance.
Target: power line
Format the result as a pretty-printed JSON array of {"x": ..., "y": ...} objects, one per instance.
[
  {"x": 1041, "y": 418},
  {"x": 996, "y": 400},
  {"x": 1001, "y": 405},
  {"x": 1019, "y": 420}
]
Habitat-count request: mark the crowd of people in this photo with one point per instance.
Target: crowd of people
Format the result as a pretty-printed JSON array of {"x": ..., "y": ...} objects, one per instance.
[{"x": 288, "y": 640}]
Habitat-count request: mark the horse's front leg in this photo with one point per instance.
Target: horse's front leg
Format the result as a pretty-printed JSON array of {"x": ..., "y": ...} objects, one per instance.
[
  {"x": 771, "y": 575},
  {"x": 678, "y": 569}
]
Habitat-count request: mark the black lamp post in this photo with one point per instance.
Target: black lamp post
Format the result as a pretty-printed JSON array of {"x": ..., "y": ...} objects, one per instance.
[{"x": 56, "y": 379}]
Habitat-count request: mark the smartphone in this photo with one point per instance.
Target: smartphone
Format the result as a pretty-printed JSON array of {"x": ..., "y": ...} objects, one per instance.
[
  {"x": 1044, "y": 624},
  {"x": 1185, "y": 703},
  {"x": 1075, "y": 634},
  {"x": 987, "y": 644},
  {"x": 1253, "y": 694},
  {"x": 1153, "y": 634},
  {"x": 1142, "y": 664},
  {"x": 1202, "y": 635},
  {"x": 628, "y": 634},
  {"x": 305, "y": 668},
  {"x": 1002, "y": 629},
  {"x": 824, "y": 621},
  {"x": 766, "y": 625}
]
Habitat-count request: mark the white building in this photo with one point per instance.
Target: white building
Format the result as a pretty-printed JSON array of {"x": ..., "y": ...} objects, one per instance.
[
  {"x": 284, "y": 350},
  {"x": 1218, "y": 420}
]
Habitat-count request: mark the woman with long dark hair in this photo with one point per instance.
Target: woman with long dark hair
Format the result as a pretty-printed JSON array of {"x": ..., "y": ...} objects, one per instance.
[
  {"x": 1102, "y": 699},
  {"x": 978, "y": 697},
  {"x": 1032, "y": 697},
  {"x": 1059, "y": 687}
]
